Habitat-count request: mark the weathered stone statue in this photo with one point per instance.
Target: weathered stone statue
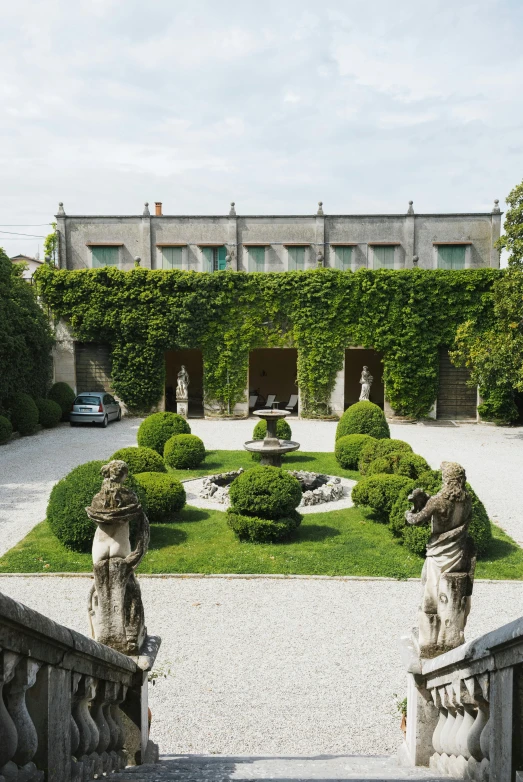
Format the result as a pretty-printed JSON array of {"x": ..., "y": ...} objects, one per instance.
[
  {"x": 182, "y": 386},
  {"x": 116, "y": 613},
  {"x": 366, "y": 382},
  {"x": 448, "y": 573}
]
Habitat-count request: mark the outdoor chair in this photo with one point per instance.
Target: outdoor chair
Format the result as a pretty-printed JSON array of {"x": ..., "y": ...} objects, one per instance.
[
  {"x": 270, "y": 401},
  {"x": 292, "y": 403},
  {"x": 252, "y": 401}
]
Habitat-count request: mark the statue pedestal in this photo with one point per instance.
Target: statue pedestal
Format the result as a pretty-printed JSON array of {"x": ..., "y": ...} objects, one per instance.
[{"x": 182, "y": 407}]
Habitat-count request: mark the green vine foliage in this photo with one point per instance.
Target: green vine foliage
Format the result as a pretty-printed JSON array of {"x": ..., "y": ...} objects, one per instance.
[
  {"x": 25, "y": 336},
  {"x": 408, "y": 315}
]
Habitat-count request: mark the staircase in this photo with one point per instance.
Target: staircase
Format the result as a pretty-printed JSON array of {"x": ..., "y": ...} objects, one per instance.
[{"x": 322, "y": 768}]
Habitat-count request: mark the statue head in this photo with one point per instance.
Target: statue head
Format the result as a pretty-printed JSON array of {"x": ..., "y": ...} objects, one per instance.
[
  {"x": 116, "y": 471},
  {"x": 454, "y": 479}
]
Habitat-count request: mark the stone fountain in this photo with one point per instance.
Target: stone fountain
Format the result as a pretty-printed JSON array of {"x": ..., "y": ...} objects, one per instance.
[{"x": 271, "y": 449}]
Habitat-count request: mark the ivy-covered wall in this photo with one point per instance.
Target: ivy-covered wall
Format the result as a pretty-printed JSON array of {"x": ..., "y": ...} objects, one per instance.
[{"x": 408, "y": 315}]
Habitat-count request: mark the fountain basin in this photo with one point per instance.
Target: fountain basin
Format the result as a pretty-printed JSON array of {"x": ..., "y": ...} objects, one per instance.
[{"x": 271, "y": 450}]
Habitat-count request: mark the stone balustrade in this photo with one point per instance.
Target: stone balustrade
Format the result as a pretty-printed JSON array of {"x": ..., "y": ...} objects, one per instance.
[
  {"x": 465, "y": 709},
  {"x": 71, "y": 709}
]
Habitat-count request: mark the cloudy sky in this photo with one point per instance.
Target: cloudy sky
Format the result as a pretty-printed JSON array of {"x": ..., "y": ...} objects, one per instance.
[{"x": 274, "y": 104}]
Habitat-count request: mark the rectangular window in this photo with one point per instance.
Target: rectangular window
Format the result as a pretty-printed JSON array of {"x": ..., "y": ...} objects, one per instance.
[
  {"x": 171, "y": 257},
  {"x": 104, "y": 256},
  {"x": 451, "y": 256},
  {"x": 383, "y": 257},
  {"x": 343, "y": 257},
  {"x": 256, "y": 259},
  {"x": 214, "y": 259},
  {"x": 296, "y": 258}
]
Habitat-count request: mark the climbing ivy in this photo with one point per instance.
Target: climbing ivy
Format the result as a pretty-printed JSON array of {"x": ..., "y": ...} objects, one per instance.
[{"x": 408, "y": 315}]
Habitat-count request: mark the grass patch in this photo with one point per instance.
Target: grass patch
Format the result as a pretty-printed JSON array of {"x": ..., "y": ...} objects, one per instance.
[{"x": 337, "y": 543}]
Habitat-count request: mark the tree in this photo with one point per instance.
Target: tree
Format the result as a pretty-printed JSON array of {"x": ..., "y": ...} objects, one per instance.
[
  {"x": 51, "y": 246},
  {"x": 512, "y": 240}
]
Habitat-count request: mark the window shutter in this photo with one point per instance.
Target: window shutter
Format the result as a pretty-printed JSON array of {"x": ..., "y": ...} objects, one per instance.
[
  {"x": 296, "y": 258},
  {"x": 222, "y": 254},
  {"x": 343, "y": 258},
  {"x": 451, "y": 256},
  {"x": 384, "y": 257},
  {"x": 207, "y": 259},
  {"x": 171, "y": 257},
  {"x": 256, "y": 259},
  {"x": 104, "y": 256}
]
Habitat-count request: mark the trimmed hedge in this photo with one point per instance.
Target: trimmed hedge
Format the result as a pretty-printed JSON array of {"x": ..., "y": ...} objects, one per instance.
[
  {"x": 165, "y": 495},
  {"x": 158, "y": 428},
  {"x": 399, "y": 463},
  {"x": 6, "y": 429},
  {"x": 348, "y": 449},
  {"x": 379, "y": 448},
  {"x": 416, "y": 538},
  {"x": 184, "y": 451},
  {"x": 269, "y": 492},
  {"x": 49, "y": 413},
  {"x": 63, "y": 395},
  {"x": 380, "y": 492},
  {"x": 258, "y": 530},
  {"x": 24, "y": 413},
  {"x": 140, "y": 459},
  {"x": 70, "y": 497},
  {"x": 363, "y": 418}
]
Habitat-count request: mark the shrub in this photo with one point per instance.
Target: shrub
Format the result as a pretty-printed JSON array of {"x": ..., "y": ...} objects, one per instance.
[
  {"x": 165, "y": 494},
  {"x": 416, "y": 538},
  {"x": 259, "y": 530},
  {"x": 379, "y": 448},
  {"x": 24, "y": 413},
  {"x": 380, "y": 492},
  {"x": 69, "y": 498},
  {"x": 348, "y": 449},
  {"x": 49, "y": 413},
  {"x": 399, "y": 463},
  {"x": 6, "y": 429},
  {"x": 159, "y": 427},
  {"x": 269, "y": 492},
  {"x": 283, "y": 430},
  {"x": 363, "y": 418},
  {"x": 140, "y": 459},
  {"x": 184, "y": 451},
  {"x": 63, "y": 395}
]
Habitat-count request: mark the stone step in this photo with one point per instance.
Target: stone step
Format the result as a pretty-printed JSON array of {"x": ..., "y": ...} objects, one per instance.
[{"x": 318, "y": 768}]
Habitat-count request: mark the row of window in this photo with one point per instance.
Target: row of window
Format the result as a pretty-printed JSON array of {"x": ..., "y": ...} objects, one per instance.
[{"x": 214, "y": 258}]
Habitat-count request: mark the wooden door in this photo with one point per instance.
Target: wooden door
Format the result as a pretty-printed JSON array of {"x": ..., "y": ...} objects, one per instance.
[{"x": 456, "y": 399}]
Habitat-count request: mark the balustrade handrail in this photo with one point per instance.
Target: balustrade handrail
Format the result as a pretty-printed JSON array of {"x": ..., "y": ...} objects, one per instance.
[{"x": 71, "y": 709}]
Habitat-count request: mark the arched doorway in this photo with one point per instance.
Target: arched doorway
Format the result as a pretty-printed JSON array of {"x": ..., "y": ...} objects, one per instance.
[
  {"x": 193, "y": 362},
  {"x": 355, "y": 360}
]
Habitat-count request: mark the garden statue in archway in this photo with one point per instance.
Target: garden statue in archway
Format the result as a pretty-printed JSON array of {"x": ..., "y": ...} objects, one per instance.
[
  {"x": 182, "y": 392},
  {"x": 116, "y": 614},
  {"x": 366, "y": 382},
  {"x": 448, "y": 572}
]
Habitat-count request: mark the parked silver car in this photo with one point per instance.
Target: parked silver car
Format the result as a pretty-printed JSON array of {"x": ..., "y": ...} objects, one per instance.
[{"x": 94, "y": 407}]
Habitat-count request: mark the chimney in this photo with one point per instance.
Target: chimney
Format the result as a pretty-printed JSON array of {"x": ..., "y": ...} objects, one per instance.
[{"x": 158, "y": 208}]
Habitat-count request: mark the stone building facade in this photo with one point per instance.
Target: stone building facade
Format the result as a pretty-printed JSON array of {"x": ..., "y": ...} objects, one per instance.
[{"x": 274, "y": 244}]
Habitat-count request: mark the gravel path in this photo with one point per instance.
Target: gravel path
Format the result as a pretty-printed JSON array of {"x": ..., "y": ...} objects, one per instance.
[
  {"x": 492, "y": 456},
  {"x": 268, "y": 666}
]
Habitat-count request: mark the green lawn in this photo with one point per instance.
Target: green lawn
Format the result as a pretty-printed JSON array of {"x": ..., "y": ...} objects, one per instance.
[{"x": 340, "y": 543}]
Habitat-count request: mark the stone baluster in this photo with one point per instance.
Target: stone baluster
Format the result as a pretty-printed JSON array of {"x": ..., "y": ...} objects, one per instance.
[
  {"x": 15, "y": 696},
  {"x": 477, "y": 689},
  {"x": 99, "y": 709},
  {"x": 117, "y": 750},
  {"x": 486, "y": 733},
  {"x": 448, "y": 728},
  {"x": 87, "y": 730},
  {"x": 436, "y": 738},
  {"x": 8, "y": 732},
  {"x": 76, "y": 765}
]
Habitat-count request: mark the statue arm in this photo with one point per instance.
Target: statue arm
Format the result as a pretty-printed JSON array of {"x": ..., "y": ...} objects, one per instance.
[
  {"x": 142, "y": 542},
  {"x": 422, "y": 516}
]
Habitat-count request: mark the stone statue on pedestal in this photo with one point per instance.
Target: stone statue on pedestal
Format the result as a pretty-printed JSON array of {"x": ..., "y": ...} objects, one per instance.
[
  {"x": 182, "y": 392},
  {"x": 366, "y": 382},
  {"x": 448, "y": 573},
  {"x": 116, "y": 614}
]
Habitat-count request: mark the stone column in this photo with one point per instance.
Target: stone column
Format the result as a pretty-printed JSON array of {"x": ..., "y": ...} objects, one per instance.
[
  {"x": 319, "y": 237},
  {"x": 337, "y": 400},
  {"x": 147, "y": 249},
  {"x": 232, "y": 237},
  {"x": 62, "y": 239},
  {"x": 495, "y": 234},
  {"x": 409, "y": 237},
  {"x": 64, "y": 359}
]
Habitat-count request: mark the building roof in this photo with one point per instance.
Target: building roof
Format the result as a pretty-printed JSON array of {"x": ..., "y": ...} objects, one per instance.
[{"x": 19, "y": 258}]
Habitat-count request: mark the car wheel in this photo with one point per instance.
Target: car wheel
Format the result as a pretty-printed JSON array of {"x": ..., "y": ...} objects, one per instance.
[
  {"x": 105, "y": 422},
  {"x": 119, "y": 416}
]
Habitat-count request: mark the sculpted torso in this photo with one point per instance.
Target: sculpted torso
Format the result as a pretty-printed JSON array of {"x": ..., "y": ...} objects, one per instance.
[
  {"x": 444, "y": 514},
  {"x": 111, "y": 540}
]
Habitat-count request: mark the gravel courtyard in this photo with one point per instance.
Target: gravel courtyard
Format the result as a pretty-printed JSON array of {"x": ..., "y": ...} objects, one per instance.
[
  {"x": 29, "y": 467},
  {"x": 274, "y": 666}
]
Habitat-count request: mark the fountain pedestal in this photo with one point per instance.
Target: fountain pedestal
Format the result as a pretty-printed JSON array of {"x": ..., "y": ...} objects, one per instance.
[{"x": 271, "y": 449}]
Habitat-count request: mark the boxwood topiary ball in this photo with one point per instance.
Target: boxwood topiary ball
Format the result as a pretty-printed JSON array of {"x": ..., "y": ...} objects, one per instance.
[
  {"x": 49, "y": 413},
  {"x": 63, "y": 395},
  {"x": 283, "y": 430},
  {"x": 380, "y": 492},
  {"x": 140, "y": 459},
  {"x": 165, "y": 495},
  {"x": 269, "y": 492},
  {"x": 24, "y": 413},
  {"x": 6, "y": 429},
  {"x": 348, "y": 449},
  {"x": 379, "y": 448},
  {"x": 159, "y": 427},
  {"x": 363, "y": 418},
  {"x": 70, "y": 497},
  {"x": 184, "y": 451},
  {"x": 258, "y": 530}
]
